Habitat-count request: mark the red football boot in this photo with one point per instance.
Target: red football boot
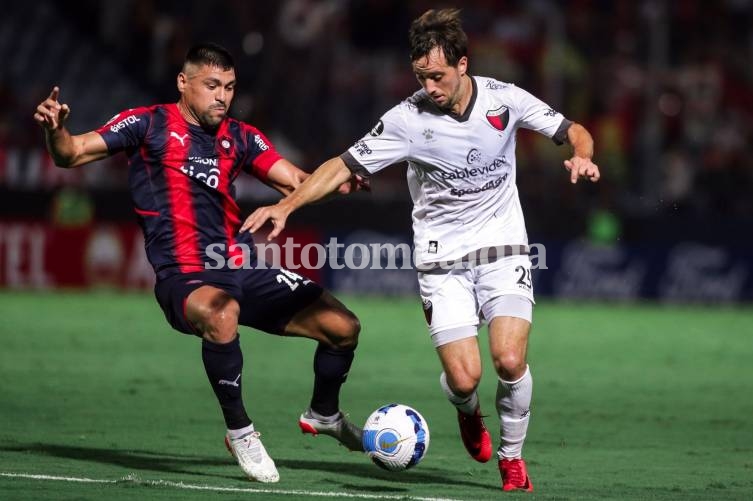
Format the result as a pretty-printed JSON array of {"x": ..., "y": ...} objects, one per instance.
[
  {"x": 475, "y": 436},
  {"x": 515, "y": 475}
]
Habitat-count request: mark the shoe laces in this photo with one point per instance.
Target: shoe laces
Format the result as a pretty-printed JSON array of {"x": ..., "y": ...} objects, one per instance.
[
  {"x": 514, "y": 472},
  {"x": 250, "y": 447},
  {"x": 474, "y": 422}
]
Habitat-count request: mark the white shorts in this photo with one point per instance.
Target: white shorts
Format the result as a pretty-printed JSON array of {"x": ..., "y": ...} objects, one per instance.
[{"x": 457, "y": 301}]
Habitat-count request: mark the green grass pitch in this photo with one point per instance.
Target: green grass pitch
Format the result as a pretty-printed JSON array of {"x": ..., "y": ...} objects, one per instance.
[{"x": 630, "y": 402}]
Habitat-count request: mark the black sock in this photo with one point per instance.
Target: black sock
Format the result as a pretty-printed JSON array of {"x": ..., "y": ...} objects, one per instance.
[
  {"x": 331, "y": 368},
  {"x": 224, "y": 364}
]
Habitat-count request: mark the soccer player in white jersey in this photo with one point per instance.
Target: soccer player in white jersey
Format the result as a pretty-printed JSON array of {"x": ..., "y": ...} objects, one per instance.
[{"x": 458, "y": 136}]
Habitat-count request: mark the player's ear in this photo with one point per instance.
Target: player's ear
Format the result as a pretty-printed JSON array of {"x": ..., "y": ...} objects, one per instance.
[
  {"x": 463, "y": 65},
  {"x": 182, "y": 80}
]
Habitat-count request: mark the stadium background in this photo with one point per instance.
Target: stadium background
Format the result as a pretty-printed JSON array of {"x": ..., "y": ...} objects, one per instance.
[
  {"x": 661, "y": 248},
  {"x": 664, "y": 87}
]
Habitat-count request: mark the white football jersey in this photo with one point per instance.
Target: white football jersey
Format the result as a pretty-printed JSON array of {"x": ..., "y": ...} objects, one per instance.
[{"x": 461, "y": 169}]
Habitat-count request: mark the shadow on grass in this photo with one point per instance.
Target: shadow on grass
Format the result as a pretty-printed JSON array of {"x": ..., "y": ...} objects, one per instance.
[
  {"x": 370, "y": 471},
  {"x": 129, "y": 459},
  {"x": 196, "y": 465}
]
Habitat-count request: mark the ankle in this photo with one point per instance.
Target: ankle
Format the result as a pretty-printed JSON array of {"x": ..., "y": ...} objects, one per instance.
[
  {"x": 325, "y": 419},
  {"x": 240, "y": 432}
]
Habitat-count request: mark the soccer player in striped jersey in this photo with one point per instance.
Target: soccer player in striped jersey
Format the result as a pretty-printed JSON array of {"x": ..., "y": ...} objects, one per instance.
[
  {"x": 457, "y": 135},
  {"x": 183, "y": 158}
]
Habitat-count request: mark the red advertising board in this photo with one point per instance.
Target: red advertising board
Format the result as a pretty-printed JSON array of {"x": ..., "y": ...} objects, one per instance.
[{"x": 41, "y": 256}]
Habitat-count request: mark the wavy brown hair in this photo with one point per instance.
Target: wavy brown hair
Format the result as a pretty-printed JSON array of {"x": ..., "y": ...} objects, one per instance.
[{"x": 438, "y": 28}]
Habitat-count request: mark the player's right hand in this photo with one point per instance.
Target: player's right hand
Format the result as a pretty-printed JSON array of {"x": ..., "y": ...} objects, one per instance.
[{"x": 50, "y": 113}]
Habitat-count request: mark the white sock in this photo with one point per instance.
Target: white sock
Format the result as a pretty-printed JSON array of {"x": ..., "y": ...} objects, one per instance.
[
  {"x": 466, "y": 405},
  {"x": 513, "y": 405},
  {"x": 240, "y": 433}
]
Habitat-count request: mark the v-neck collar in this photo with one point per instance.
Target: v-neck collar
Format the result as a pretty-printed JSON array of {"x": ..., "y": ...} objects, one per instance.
[{"x": 467, "y": 113}]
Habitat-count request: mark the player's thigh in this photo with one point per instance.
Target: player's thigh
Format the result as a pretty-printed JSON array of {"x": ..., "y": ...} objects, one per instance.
[
  {"x": 326, "y": 320},
  {"x": 272, "y": 297},
  {"x": 449, "y": 304}
]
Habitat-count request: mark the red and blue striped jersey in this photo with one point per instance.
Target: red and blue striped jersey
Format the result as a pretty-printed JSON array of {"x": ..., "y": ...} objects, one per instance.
[{"x": 181, "y": 182}]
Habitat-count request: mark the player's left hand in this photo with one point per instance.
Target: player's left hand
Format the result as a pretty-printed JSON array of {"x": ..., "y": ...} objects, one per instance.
[
  {"x": 582, "y": 167},
  {"x": 355, "y": 183}
]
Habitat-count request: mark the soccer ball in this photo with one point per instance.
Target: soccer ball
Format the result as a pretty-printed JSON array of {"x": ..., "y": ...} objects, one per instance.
[{"x": 396, "y": 437}]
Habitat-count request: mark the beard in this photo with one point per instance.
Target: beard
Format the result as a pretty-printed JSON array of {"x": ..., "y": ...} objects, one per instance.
[
  {"x": 452, "y": 99},
  {"x": 211, "y": 120},
  {"x": 450, "y": 103}
]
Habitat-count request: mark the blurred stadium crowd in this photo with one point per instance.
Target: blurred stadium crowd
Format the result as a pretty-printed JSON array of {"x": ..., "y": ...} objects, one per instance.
[{"x": 666, "y": 88}]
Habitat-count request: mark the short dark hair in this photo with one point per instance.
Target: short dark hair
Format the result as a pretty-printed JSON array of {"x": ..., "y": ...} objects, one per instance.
[
  {"x": 210, "y": 54},
  {"x": 438, "y": 28}
]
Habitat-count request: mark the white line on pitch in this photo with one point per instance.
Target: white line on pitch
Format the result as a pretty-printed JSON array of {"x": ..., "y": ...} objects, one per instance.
[{"x": 133, "y": 479}]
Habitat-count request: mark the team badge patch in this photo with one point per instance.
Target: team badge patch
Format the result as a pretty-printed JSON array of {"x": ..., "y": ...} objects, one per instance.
[
  {"x": 226, "y": 143},
  {"x": 378, "y": 129},
  {"x": 498, "y": 118}
]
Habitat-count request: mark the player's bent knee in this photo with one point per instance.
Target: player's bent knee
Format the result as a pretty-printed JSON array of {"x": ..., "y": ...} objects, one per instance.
[
  {"x": 214, "y": 315},
  {"x": 352, "y": 325},
  {"x": 464, "y": 387},
  {"x": 462, "y": 383},
  {"x": 343, "y": 329}
]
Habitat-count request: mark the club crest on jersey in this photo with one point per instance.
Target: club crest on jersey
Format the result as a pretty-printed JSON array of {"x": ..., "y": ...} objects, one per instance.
[
  {"x": 428, "y": 309},
  {"x": 499, "y": 117},
  {"x": 226, "y": 143}
]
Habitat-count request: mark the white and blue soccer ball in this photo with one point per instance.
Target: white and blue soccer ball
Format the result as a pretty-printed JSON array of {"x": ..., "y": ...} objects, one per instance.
[{"x": 396, "y": 437}]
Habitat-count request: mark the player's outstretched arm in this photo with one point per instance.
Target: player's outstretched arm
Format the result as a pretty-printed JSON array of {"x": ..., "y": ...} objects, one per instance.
[
  {"x": 285, "y": 177},
  {"x": 66, "y": 150},
  {"x": 580, "y": 165},
  {"x": 325, "y": 180}
]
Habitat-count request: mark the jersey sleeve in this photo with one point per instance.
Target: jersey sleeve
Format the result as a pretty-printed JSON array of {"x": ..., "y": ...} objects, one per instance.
[
  {"x": 261, "y": 155},
  {"x": 126, "y": 130},
  {"x": 386, "y": 144},
  {"x": 538, "y": 116}
]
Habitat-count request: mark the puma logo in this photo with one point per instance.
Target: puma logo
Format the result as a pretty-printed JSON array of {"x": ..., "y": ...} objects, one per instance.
[
  {"x": 230, "y": 383},
  {"x": 179, "y": 138}
]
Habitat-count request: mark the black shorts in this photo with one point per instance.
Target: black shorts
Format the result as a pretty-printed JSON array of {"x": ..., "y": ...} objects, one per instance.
[{"x": 268, "y": 298}]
